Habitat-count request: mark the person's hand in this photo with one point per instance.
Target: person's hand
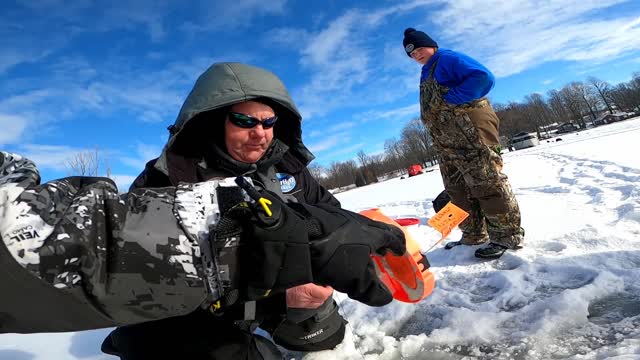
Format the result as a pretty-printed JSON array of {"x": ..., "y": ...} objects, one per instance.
[
  {"x": 277, "y": 253},
  {"x": 318, "y": 243},
  {"x": 341, "y": 244},
  {"x": 308, "y": 296}
]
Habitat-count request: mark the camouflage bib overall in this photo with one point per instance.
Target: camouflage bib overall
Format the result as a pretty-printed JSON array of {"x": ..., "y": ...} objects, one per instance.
[{"x": 471, "y": 170}]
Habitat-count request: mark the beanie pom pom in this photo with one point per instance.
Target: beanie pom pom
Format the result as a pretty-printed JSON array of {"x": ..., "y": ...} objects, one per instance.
[{"x": 408, "y": 31}]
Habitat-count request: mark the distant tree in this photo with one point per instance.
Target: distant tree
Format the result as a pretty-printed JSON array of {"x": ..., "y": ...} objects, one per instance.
[
  {"x": 341, "y": 174},
  {"x": 623, "y": 96},
  {"x": 627, "y": 95},
  {"x": 360, "y": 179},
  {"x": 572, "y": 98},
  {"x": 559, "y": 110},
  {"x": 393, "y": 149},
  {"x": 417, "y": 142},
  {"x": 364, "y": 159},
  {"x": 88, "y": 163},
  {"x": 603, "y": 90},
  {"x": 540, "y": 112},
  {"x": 588, "y": 97},
  {"x": 377, "y": 164},
  {"x": 513, "y": 120}
]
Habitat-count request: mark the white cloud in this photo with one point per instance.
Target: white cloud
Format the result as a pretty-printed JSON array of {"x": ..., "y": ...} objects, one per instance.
[
  {"x": 123, "y": 182},
  {"x": 149, "y": 13},
  {"x": 144, "y": 153},
  {"x": 344, "y": 70},
  {"x": 401, "y": 114},
  {"x": 18, "y": 26},
  {"x": 56, "y": 157},
  {"x": 352, "y": 149},
  {"x": 511, "y": 37},
  {"x": 327, "y": 143},
  {"x": 13, "y": 128},
  {"x": 24, "y": 100},
  {"x": 288, "y": 37},
  {"x": 336, "y": 145},
  {"x": 337, "y": 134},
  {"x": 230, "y": 14},
  {"x": 59, "y": 23},
  {"x": 11, "y": 57},
  {"x": 76, "y": 87},
  {"x": 52, "y": 157},
  {"x": 84, "y": 15},
  {"x": 548, "y": 81},
  {"x": 339, "y": 126},
  {"x": 21, "y": 115}
]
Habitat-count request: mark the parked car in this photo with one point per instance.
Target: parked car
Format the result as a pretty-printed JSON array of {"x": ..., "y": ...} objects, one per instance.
[
  {"x": 567, "y": 128},
  {"x": 524, "y": 140}
]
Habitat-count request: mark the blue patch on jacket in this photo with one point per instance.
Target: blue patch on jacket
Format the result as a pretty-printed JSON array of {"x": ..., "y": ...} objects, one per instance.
[
  {"x": 466, "y": 78},
  {"x": 287, "y": 182}
]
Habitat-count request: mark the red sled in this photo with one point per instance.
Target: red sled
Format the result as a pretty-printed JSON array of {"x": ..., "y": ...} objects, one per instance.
[{"x": 407, "y": 221}]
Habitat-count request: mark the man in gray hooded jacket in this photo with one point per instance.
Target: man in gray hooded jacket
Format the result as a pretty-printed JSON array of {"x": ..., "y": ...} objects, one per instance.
[{"x": 98, "y": 259}]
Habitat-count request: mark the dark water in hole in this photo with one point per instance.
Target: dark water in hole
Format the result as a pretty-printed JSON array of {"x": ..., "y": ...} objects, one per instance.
[{"x": 614, "y": 308}]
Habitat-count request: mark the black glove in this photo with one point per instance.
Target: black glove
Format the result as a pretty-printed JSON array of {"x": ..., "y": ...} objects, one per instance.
[
  {"x": 277, "y": 249},
  {"x": 279, "y": 254},
  {"x": 441, "y": 201},
  {"x": 311, "y": 329},
  {"x": 255, "y": 254},
  {"x": 342, "y": 243}
]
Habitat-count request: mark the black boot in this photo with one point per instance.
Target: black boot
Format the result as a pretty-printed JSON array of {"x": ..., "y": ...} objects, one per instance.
[
  {"x": 468, "y": 240},
  {"x": 491, "y": 251}
]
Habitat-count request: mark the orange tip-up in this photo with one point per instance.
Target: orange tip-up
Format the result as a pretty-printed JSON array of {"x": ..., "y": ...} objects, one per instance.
[{"x": 406, "y": 276}]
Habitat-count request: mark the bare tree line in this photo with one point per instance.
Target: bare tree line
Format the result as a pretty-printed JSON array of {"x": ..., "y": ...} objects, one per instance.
[
  {"x": 576, "y": 102},
  {"x": 88, "y": 163},
  {"x": 414, "y": 146}
]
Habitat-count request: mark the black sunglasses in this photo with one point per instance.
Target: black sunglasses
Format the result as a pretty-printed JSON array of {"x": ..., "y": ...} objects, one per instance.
[{"x": 248, "y": 122}]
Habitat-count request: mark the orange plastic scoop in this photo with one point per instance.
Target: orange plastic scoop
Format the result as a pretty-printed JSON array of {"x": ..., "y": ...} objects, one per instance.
[{"x": 407, "y": 276}]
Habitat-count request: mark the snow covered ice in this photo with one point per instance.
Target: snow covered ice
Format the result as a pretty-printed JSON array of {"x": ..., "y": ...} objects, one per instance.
[{"x": 570, "y": 293}]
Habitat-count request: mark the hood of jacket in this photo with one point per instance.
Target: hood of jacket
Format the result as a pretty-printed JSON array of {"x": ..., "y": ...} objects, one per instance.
[{"x": 219, "y": 87}]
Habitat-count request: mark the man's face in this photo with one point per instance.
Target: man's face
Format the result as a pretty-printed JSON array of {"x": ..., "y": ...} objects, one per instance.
[
  {"x": 422, "y": 54},
  {"x": 248, "y": 145}
]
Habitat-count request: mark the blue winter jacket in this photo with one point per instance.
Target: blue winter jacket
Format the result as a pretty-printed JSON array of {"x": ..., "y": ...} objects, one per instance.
[{"x": 466, "y": 78}]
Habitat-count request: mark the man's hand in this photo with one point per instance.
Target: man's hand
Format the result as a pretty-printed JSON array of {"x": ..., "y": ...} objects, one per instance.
[
  {"x": 277, "y": 249},
  {"x": 308, "y": 296},
  {"x": 323, "y": 244},
  {"x": 341, "y": 244}
]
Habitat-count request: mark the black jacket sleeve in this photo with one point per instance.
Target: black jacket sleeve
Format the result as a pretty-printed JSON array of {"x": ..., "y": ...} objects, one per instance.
[
  {"x": 75, "y": 255},
  {"x": 314, "y": 193}
]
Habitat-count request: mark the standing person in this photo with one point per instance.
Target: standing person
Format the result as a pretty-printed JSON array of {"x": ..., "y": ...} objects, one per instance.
[
  {"x": 148, "y": 262},
  {"x": 464, "y": 129}
]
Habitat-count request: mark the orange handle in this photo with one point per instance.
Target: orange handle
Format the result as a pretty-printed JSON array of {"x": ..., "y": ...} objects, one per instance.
[{"x": 406, "y": 276}]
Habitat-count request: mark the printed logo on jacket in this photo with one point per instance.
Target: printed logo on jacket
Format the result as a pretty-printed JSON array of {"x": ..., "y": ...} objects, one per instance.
[{"x": 287, "y": 182}]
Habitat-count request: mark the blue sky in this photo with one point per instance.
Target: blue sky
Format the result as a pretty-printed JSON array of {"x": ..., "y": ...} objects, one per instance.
[{"x": 81, "y": 74}]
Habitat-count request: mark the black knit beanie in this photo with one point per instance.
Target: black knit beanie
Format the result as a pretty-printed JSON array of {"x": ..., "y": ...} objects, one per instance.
[{"x": 414, "y": 39}]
